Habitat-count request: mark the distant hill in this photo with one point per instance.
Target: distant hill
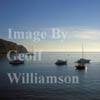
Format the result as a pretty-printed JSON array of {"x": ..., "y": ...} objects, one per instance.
[{"x": 5, "y": 46}]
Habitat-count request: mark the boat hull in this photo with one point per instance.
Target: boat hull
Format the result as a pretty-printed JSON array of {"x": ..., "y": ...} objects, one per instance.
[
  {"x": 60, "y": 62},
  {"x": 80, "y": 67},
  {"x": 16, "y": 62},
  {"x": 83, "y": 61}
]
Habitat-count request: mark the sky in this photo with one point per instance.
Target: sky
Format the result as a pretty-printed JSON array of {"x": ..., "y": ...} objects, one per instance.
[{"x": 80, "y": 19}]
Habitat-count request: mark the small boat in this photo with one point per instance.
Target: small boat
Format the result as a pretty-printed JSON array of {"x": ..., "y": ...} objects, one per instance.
[
  {"x": 82, "y": 60},
  {"x": 80, "y": 66},
  {"x": 30, "y": 54},
  {"x": 16, "y": 62},
  {"x": 61, "y": 62}
]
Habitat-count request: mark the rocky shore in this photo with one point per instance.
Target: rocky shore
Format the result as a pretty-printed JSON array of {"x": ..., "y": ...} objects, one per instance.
[{"x": 5, "y": 46}]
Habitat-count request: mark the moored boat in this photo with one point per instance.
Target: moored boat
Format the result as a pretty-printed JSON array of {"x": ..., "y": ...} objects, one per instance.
[
  {"x": 32, "y": 54},
  {"x": 80, "y": 66},
  {"x": 82, "y": 60},
  {"x": 16, "y": 62},
  {"x": 61, "y": 62}
]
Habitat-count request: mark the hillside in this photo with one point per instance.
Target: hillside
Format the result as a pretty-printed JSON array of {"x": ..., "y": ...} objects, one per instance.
[{"x": 5, "y": 46}]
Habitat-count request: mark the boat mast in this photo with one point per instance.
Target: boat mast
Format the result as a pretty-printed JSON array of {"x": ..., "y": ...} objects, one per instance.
[{"x": 82, "y": 50}]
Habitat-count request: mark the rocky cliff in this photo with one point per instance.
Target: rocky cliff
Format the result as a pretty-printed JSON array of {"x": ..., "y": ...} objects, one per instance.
[{"x": 5, "y": 46}]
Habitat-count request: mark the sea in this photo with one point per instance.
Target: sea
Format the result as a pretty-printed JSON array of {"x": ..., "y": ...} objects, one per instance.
[{"x": 88, "y": 87}]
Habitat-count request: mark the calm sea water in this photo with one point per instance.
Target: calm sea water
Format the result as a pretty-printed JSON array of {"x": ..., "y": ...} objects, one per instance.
[{"x": 87, "y": 89}]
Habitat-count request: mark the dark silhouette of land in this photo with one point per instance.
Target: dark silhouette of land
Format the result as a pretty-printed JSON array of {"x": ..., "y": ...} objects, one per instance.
[{"x": 5, "y": 46}]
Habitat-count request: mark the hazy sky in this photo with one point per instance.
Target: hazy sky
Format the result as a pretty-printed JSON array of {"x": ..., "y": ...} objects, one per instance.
[{"x": 79, "y": 18}]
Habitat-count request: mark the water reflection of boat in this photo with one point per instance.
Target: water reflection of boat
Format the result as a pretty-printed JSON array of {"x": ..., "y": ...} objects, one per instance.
[
  {"x": 16, "y": 62},
  {"x": 61, "y": 62}
]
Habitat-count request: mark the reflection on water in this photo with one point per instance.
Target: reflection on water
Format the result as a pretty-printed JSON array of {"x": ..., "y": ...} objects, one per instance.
[
  {"x": 87, "y": 89},
  {"x": 86, "y": 68}
]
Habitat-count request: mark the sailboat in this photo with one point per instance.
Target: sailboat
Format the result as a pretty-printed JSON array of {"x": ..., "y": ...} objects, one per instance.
[
  {"x": 83, "y": 60},
  {"x": 80, "y": 66}
]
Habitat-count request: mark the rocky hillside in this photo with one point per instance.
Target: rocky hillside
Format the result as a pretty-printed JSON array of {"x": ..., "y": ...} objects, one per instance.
[{"x": 5, "y": 46}]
